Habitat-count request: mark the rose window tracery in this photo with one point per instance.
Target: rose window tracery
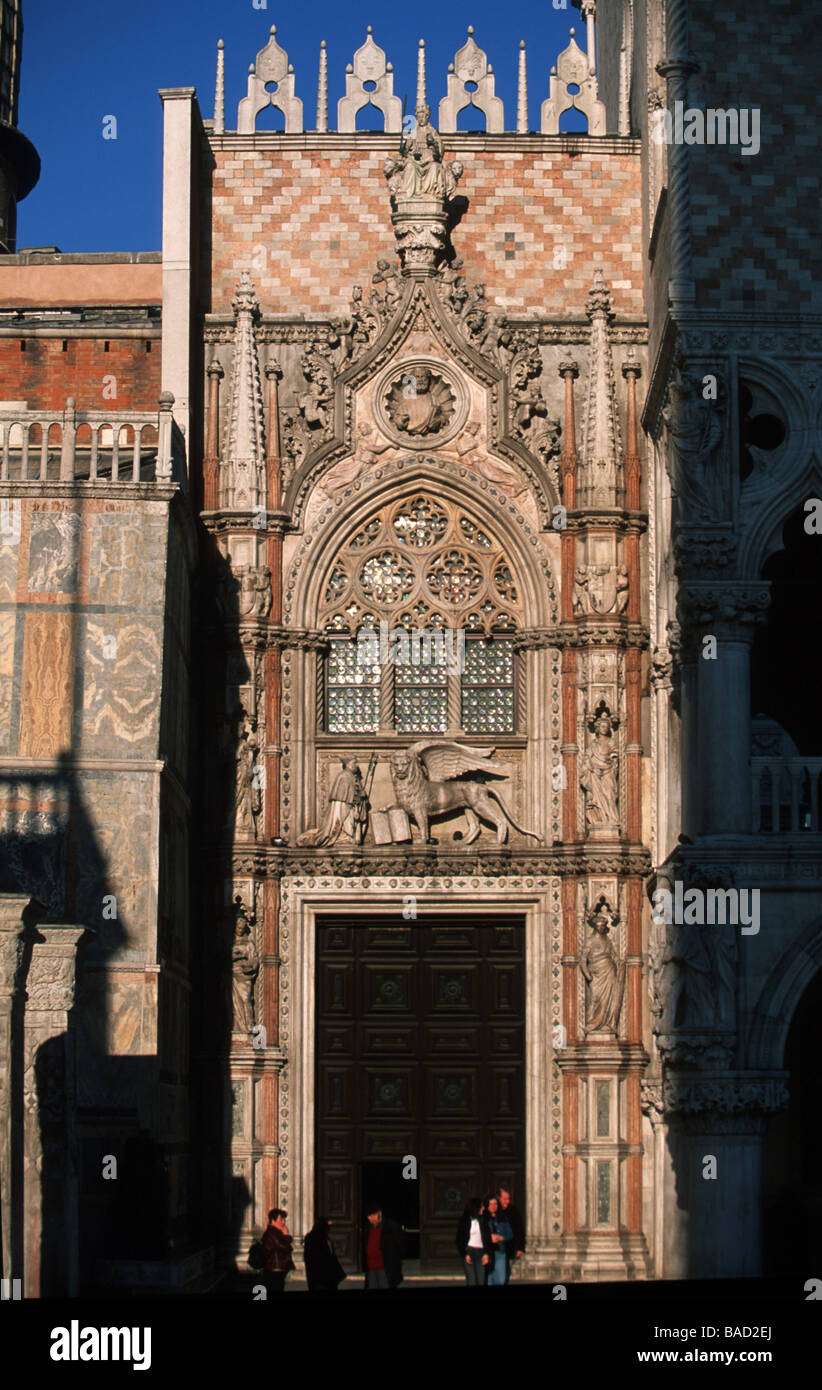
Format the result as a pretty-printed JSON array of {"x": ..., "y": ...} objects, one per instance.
[{"x": 422, "y": 562}]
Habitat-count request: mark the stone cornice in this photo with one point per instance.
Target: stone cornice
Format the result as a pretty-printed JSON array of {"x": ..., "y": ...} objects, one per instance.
[
  {"x": 415, "y": 861},
  {"x": 590, "y": 633}
]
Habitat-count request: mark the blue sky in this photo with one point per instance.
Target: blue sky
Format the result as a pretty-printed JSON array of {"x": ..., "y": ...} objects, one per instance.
[{"x": 88, "y": 59}]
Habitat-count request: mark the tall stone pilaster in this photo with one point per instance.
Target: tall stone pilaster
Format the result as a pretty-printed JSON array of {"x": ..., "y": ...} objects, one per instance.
[
  {"x": 11, "y": 924},
  {"x": 51, "y": 1237}
]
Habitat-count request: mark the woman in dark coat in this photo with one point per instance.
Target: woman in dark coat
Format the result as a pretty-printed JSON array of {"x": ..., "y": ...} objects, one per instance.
[{"x": 322, "y": 1268}]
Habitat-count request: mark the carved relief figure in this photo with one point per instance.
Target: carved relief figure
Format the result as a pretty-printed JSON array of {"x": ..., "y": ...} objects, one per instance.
[
  {"x": 414, "y": 774},
  {"x": 527, "y": 400},
  {"x": 348, "y": 808},
  {"x": 420, "y": 402},
  {"x": 694, "y": 426},
  {"x": 603, "y": 971},
  {"x": 600, "y": 771},
  {"x": 368, "y": 451},
  {"x": 245, "y": 967}
]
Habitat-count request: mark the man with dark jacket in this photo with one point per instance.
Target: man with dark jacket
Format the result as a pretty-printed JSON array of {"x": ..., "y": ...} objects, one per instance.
[
  {"x": 382, "y": 1250},
  {"x": 516, "y": 1246},
  {"x": 277, "y": 1250}
]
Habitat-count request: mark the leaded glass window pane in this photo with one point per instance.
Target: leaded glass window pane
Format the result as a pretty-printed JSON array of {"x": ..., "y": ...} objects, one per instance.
[
  {"x": 353, "y": 689},
  {"x": 421, "y": 696},
  {"x": 488, "y": 687}
]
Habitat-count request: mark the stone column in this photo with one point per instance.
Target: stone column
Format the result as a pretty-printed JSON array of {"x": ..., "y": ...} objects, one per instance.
[
  {"x": 713, "y": 1172},
  {"x": 51, "y": 1235},
  {"x": 11, "y": 925},
  {"x": 727, "y": 614}
]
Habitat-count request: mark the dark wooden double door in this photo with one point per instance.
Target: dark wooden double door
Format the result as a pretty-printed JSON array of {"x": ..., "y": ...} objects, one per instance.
[{"x": 420, "y": 1097}]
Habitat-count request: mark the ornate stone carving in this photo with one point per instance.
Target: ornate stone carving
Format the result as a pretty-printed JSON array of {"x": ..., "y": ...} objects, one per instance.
[
  {"x": 414, "y": 776},
  {"x": 527, "y": 400},
  {"x": 369, "y": 66},
  {"x": 348, "y": 809},
  {"x": 242, "y": 471},
  {"x": 598, "y": 483},
  {"x": 602, "y": 970},
  {"x": 420, "y": 184},
  {"x": 732, "y": 609},
  {"x": 245, "y": 967},
  {"x": 271, "y": 66},
  {"x": 599, "y": 775},
  {"x": 419, "y": 402},
  {"x": 600, "y": 589},
  {"x": 573, "y": 70},
  {"x": 695, "y": 427},
  {"x": 470, "y": 65}
]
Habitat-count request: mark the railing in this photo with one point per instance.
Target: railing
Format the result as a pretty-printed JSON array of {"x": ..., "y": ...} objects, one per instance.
[
  {"x": 71, "y": 445},
  {"x": 786, "y": 794}
]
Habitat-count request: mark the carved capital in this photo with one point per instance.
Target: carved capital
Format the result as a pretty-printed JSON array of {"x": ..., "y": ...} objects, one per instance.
[{"x": 731, "y": 610}]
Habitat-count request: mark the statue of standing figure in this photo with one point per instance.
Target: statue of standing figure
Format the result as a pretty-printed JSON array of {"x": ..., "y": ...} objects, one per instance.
[
  {"x": 600, "y": 771},
  {"x": 603, "y": 972},
  {"x": 245, "y": 967}
]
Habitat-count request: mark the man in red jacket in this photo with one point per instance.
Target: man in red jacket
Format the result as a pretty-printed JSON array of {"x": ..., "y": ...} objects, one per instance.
[{"x": 277, "y": 1250}]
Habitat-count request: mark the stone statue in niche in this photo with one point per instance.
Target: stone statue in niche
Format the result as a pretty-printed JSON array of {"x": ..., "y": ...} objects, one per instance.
[
  {"x": 423, "y": 777},
  {"x": 248, "y": 797},
  {"x": 603, "y": 971},
  {"x": 694, "y": 425},
  {"x": 599, "y": 777},
  {"x": 348, "y": 808},
  {"x": 245, "y": 967}
]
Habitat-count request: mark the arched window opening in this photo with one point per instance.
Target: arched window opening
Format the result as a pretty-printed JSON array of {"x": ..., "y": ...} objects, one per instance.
[
  {"x": 780, "y": 687},
  {"x": 420, "y": 607}
]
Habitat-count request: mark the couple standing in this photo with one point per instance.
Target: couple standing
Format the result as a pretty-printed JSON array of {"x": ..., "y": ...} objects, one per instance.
[{"x": 490, "y": 1235}]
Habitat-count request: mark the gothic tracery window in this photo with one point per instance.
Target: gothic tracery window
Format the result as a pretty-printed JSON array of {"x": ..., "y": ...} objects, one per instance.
[{"x": 420, "y": 607}]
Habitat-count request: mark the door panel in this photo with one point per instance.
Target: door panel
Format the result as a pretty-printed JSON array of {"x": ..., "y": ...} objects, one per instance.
[{"x": 420, "y": 1033}]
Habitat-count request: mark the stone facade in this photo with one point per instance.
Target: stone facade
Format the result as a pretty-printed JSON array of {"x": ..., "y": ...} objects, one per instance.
[{"x": 442, "y": 381}]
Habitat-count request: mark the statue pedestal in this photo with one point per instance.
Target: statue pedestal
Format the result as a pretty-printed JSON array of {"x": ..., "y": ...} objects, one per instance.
[{"x": 419, "y": 226}]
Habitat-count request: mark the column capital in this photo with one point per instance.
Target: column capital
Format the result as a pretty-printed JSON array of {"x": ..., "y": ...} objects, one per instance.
[{"x": 731, "y": 610}]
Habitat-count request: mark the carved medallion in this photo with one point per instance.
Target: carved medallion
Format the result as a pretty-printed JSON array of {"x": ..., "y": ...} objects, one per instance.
[{"x": 419, "y": 404}]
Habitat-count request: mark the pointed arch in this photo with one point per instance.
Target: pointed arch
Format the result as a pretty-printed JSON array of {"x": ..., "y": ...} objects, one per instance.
[{"x": 780, "y": 998}]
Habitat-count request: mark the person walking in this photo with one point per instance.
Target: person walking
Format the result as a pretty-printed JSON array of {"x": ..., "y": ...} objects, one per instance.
[
  {"x": 516, "y": 1245},
  {"x": 382, "y": 1250},
  {"x": 277, "y": 1250},
  {"x": 474, "y": 1243},
  {"x": 500, "y": 1229},
  {"x": 323, "y": 1270}
]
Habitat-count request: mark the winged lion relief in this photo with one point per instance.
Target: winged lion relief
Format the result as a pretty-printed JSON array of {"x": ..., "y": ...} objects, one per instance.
[{"x": 430, "y": 779}]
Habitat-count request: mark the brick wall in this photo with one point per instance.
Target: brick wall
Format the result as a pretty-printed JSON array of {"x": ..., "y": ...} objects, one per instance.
[
  {"x": 44, "y": 371},
  {"x": 309, "y": 219}
]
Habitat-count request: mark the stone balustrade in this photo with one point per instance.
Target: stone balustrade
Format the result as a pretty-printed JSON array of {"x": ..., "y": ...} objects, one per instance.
[
  {"x": 786, "y": 794},
  {"x": 71, "y": 445}
]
